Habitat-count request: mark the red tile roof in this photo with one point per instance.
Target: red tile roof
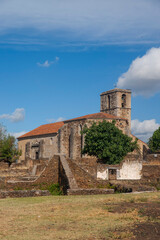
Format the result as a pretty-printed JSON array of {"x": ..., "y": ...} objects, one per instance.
[
  {"x": 100, "y": 115},
  {"x": 44, "y": 129},
  {"x": 54, "y": 127}
]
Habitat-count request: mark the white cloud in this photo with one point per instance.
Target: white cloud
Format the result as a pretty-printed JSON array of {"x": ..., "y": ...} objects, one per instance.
[
  {"x": 86, "y": 20},
  {"x": 143, "y": 75},
  {"x": 60, "y": 119},
  {"x": 18, "y": 134},
  {"x": 145, "y": 129},
  {"x": 17, "y": 116},
  {"x": 47, "y": 63}
]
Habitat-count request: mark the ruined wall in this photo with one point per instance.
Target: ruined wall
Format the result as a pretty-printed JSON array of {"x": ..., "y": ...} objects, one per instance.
[
  {"x": 151, "y": 168},
  {"x": 83, "y": 179},
  {"x": 129, "y": 169},
  {"x": 47, "y": 146},
  {"x": 152, "y": 159},
  {"x": 48, "y": 176}
]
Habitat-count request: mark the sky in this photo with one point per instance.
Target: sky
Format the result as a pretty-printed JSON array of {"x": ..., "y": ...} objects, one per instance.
[{"x": 57, "y": 56}]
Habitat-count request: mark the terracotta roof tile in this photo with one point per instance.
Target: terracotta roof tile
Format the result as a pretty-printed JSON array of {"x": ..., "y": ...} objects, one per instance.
[
  {"x": 54, "y": 127},
  {"x": 100, "y": 115},
  {"x": 44, "y": 129}
]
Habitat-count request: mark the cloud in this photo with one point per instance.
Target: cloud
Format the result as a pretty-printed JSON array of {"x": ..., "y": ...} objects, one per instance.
[
  {"x": 47, "y": 63},
  {"x": 18, "y": 134},
  {"x": 60, "y": 119},
  {"x": 145, "y": 129},
  {"x": 17, "y": 116},
  {"x": 143, "y": 75},
  {"x": 102, "y": 21}
]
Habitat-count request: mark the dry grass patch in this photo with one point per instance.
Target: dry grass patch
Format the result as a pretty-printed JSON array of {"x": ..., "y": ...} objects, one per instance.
[{"x": 73, "y": 217}]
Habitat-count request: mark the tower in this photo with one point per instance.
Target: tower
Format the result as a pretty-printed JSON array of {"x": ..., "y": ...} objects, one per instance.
[{"x": 117, "y": 102}]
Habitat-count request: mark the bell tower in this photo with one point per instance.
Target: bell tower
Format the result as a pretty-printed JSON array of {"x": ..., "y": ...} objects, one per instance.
[{"x": 117, "y": 102}]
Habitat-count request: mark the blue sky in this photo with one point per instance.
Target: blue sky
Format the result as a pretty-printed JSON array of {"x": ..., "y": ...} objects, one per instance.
[{"x": 58, "y": 56}]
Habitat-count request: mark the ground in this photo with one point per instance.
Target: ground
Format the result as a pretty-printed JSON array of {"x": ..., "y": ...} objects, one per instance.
[{"x": 102, "y": 217}]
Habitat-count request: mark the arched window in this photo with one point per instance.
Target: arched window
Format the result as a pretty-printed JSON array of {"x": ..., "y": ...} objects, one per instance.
[{"x": 123, "y": 100}]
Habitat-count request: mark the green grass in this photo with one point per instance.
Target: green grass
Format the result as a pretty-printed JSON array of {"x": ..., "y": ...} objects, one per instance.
[{"x": 70, "y": 217}]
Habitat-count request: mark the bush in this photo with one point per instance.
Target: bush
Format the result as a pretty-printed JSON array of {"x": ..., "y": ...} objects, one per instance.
[{"x": 55, "y": 189}]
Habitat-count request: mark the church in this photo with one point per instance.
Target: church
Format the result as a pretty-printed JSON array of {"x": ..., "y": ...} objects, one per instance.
[
  {"x": 52, "y": 153},
  {"x": 66, "y": 137}
]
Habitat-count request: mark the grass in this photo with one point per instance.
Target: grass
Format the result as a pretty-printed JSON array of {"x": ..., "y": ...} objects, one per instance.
[{"x": 70, "y": 217}]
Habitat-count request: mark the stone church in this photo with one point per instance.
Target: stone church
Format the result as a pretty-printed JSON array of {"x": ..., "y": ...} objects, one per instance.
[
  {"x": 66, "y": 138},
  {"x": 52, "y": 153}
]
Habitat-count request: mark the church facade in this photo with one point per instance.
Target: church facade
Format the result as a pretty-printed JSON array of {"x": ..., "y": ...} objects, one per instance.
[{"x": 66, "y": 137}]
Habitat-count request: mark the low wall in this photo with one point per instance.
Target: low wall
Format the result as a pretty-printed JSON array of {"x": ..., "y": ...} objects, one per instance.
[
  {"x": 153, "y": 159},
  {"x": 151, "y": 173},
  {"x": 24, "y": 193},
  {"x": 91, "y": 191}
]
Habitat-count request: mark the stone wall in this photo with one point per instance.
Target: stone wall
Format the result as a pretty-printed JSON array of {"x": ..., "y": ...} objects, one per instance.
[
  {"x": 46, "y": 146},
  {"x": 151, "y": 173},
  {"x": 71, "y": 140},
  {"x": 48, "y": 176},
  {"x": 83, "y": 179},
  {"x": 89, "y": 164},
  {"x": 153, "y": 159},
  {"x": 24, "y": 193},
  {"x": 112, "y": 102},
  {"x": 129, "y": 169},
  {"x": 151, "y": 168}
]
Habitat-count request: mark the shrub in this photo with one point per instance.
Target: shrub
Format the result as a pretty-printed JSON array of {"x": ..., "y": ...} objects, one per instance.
[{"x": 55, "y": 189}]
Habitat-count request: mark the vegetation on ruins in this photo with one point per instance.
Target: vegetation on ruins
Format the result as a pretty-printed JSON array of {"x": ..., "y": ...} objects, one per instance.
[
  {"x": 106, "y": 142},
  {"x": 154, "y": 141},
  {"x": 8, "y": 147},
  {"x": 55, "y": 189}
]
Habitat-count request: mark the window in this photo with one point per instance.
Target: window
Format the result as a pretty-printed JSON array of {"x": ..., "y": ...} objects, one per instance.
[
  {"x": 37, "y": 155},
  {"x": 123, "y": 100}
]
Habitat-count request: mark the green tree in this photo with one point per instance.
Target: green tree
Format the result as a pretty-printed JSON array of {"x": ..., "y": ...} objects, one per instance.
[
  {"x": 106, "y": 142},
  {"x": 8, "y": 147},
  {"x": 154, "y": 141}
]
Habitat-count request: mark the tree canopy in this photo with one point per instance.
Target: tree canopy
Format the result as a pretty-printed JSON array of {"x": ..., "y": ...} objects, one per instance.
[
  {"x": 8, "y": 147},
  {"x": 106, "y": 142},
  {"x": 154, "y": 141}
]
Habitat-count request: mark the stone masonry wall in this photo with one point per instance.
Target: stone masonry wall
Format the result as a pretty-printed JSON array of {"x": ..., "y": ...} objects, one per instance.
[
  {"x": 71, "y": 140},
  {"x": 151, "y": 168},
  {"x": 111, "y": 102},
  {"x": 83, "y": 179},
  {"x": 48, "y": 146}
]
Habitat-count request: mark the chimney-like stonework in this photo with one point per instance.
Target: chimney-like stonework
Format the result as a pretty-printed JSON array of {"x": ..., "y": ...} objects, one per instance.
[{"x": 117, "y": 102}]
